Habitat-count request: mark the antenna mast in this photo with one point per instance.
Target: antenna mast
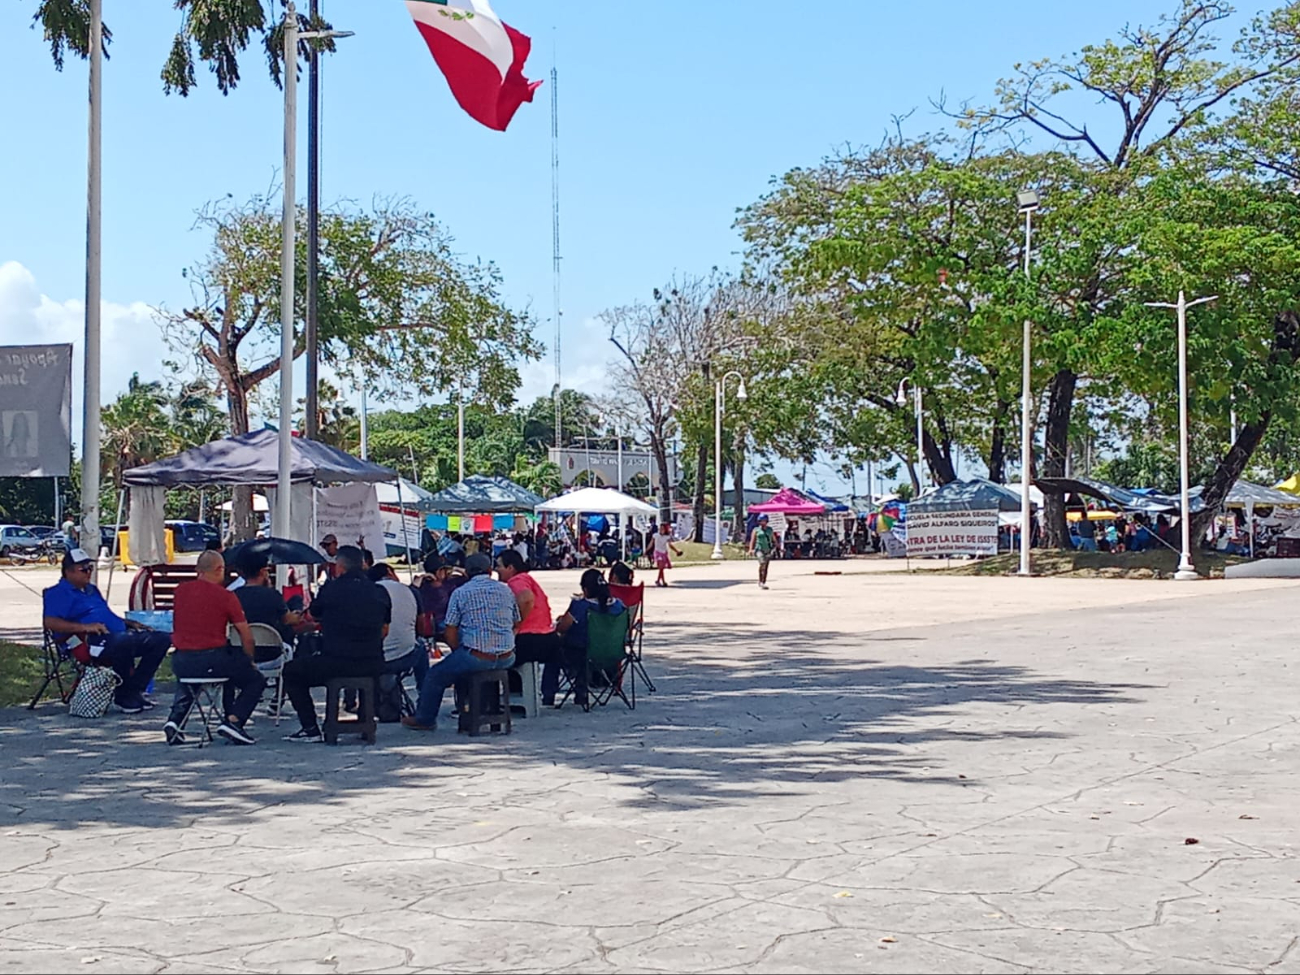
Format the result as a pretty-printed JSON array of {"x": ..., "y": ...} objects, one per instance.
[{"x": 555, "y": 251}]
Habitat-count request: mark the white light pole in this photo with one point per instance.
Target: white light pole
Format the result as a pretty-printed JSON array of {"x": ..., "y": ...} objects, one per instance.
[
  {"x": 901, "y": 399},
  {"x": 1186, "y": 571},
  {"x": 90, "y": 427},
  {"x": 1028, "y": 202},
  {"x": 719, "y": 406},
  {"x": 287, "y": 242}
]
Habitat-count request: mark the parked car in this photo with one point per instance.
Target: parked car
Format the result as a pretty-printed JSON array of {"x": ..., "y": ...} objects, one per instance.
[
  {"x": 42, "y": 531},
  {"x": 17, "y": 542},
  {"x": 192, "y": 536}
]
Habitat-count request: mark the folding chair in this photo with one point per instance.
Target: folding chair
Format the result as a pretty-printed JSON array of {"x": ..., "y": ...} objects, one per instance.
[
  {"x": 267, "y": 638},
  {"x": 608, "y": 658},
  {"x": 207, "y": 700},
  {"x": 634, "y": 599},
  {"x": 59, "y": 663}
]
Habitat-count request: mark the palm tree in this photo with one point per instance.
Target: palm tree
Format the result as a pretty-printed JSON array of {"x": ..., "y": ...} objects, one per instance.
[{"x": 137, "y": 429}]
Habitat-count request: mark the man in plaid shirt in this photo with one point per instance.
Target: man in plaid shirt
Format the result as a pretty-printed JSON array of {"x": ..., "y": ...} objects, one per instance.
[{"x": 482, "y": 617}]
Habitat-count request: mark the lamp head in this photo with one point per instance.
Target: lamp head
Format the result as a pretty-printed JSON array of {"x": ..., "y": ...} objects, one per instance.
[
  {"x": 741, "y": 394},
  {"x": 1027, "y": 200}
]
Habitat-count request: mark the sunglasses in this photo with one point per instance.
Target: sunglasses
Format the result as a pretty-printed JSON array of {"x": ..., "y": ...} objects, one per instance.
[{"x": 83, "y": 567}]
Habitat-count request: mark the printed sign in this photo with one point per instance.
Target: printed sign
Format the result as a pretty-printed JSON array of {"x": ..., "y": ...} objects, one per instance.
[
  {"x": 350, "y": 512},
  {"x": 951, "y": 533},
  {"x": 35, "y": 410}
]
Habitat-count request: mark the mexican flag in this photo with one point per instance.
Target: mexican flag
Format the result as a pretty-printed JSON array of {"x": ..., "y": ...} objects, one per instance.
[{"x": 482, "y": 57}]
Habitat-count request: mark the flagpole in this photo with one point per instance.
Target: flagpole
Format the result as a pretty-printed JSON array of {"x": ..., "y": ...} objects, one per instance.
[
  {"x": 287, "y": 241},
  {"x": 313, "y": 232},
  {"x": 555, "y": 255}
]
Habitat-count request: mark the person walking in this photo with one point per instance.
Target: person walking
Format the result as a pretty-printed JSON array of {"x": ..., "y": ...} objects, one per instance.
[
  {"x": 762, "y": 544},
  {"x": 663, "y": 543}
]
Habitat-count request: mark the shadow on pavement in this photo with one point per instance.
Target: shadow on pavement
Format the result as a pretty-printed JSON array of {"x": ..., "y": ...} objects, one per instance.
[{"x": 788, "y": 713}]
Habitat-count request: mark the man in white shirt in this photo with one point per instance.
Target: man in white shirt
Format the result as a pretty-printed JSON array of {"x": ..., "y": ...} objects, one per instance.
[{"x": 402, "y": 651}]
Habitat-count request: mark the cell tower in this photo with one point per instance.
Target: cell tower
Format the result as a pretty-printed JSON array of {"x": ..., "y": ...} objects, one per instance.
[{"x": 555, "y": 252}]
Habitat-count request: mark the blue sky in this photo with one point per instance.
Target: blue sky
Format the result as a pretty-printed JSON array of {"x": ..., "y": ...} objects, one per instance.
[{"x": 671, "y": 117}]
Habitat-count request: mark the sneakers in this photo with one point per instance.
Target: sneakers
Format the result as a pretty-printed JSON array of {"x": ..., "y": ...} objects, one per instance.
[
  {"x": 305, "y": 736},
  {"x": 147, "y": 704},
  {"x": 175, "y": 736},
  {"x": 408, "y": 721},
  {"x": 129, "y": 707},
  {"x": 762, "y": 585},
  {"x": 235, "y": 734}
]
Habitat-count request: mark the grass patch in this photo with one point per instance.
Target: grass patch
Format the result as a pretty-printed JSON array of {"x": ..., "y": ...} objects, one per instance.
[
  {"x": 702, "y": 552},
  {"x": 1098, "y": 565},
  {"x": 22, "y": 669}
]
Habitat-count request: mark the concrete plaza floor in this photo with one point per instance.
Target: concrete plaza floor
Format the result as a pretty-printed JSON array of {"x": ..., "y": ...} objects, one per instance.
[{"x": 873, "y": 772}]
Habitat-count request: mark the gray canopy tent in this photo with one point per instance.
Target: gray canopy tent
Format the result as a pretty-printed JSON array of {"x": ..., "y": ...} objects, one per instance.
[
  {"x": 481, "y": 495},
  {"x": 251, "y": 459},
  {"x": 973, "y": 494}
]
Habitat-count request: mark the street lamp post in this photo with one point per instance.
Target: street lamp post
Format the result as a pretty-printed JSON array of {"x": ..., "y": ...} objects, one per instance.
[
  {"x": 1028, "y": 202},
  {"x": 901, "y": 399},
  {"x": 1186, "y": 571},
  {"x": 719, "y": 392}
]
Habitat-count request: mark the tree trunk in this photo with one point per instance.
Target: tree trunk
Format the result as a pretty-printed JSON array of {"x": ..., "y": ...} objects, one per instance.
[
  {"x": 1056, "y": 446},
  {"x": 701, "y": 482},
  {"x": 1226, "y": 473},
  {"x": 997, "y": 456},
  {"x": 659, "y": 448},
  {"x": 738, "y": 472},
  {"x": 939, "y": 458},
  {"x": 243, "y": 521},
  {"x": 915, "y": 477}
]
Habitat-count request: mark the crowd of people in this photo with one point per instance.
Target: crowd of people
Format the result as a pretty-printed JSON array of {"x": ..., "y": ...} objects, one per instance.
[{"x": 363, "y": 622}]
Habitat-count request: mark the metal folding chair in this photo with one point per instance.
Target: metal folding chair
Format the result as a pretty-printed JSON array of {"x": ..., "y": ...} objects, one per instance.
[
  {"x": 59, "y": 664},
  {"x": 265, "y": 638}
]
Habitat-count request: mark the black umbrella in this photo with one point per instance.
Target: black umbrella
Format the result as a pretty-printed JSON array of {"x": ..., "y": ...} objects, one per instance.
[{"x": 277, "y": 551}]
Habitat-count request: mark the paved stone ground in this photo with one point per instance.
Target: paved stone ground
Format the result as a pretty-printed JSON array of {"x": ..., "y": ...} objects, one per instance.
[{"x": 868, "y": 772}]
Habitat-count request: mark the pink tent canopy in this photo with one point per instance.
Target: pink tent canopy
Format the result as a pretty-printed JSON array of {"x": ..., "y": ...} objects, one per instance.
[{"x": 788, "y": 502}]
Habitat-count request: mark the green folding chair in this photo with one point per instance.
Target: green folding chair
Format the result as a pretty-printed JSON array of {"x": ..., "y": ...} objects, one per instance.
[{"x": 607, "y": 658}]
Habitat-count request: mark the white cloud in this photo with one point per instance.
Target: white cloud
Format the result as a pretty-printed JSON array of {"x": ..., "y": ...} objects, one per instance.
[
  {"x": 589, "y": 359},
  {"x": 130, "y": 338}
]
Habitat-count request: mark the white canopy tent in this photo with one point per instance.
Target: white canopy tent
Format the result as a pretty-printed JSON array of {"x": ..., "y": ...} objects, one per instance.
[{"x": 599, "y": 501}]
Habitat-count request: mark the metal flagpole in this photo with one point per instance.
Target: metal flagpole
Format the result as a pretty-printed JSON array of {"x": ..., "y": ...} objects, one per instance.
[
  {"x": 90, "y": 432},
  {"x": 460, "y": 432},
  {"x": 284, "y": 480},
  {"x": 365, "y": 423},
  {"x": 313, "y": 232}
]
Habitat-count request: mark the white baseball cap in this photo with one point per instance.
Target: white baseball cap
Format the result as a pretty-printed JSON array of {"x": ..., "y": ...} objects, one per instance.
[{"x": 76, "y": 556}]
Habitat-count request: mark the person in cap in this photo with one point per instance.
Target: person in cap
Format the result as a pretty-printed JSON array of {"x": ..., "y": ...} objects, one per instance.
[
  {"x": 77, "y": 614},
  {"x": 330, "y": 546},
  {"x": 354, "y": 615},
  {"x": 763, "y": 545},
  {"x": 482, "y": 617}
]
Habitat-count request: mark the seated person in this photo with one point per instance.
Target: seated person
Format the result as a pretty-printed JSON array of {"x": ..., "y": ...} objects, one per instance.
[
  {"x": 204, "y": 609},
  {"x": 402, "y": 650},
  {"x": 621, "y": 574},
  {"x": 572, "y": 627},
  {"x": 76, "y": 613},
  {"x": 481, "y": 619},
  {"x": 535, "y": 637},
  {"x": 354, "y": 614},
  {"x": 262, "y": 603}
]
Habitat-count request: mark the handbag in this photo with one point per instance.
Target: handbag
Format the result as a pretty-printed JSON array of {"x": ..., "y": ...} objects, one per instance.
[{"x": 94, "y": 693}]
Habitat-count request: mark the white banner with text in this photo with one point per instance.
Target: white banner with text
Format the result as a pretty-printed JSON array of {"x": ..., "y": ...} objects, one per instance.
[{"x": 952, "y": 533}]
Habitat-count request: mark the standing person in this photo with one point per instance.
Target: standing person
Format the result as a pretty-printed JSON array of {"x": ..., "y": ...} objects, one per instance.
[
  {"x": 74, "y": 609},
  {"x": 204, "y": 609},
  {"x": 535, "y": 639},
  {"x": 663, "y": 543},
  {"x": 354, "y": 614},
  {"x": 330, "y": 546},
  {"x": 481, "y": 620},
  {"x": 1087, "y": 533},
  {"x": 70, "y": 538},
  {"x": 763, "y": 545}
]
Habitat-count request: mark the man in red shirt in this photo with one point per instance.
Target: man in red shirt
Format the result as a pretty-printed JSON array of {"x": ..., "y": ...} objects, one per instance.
[
  {"x": 535, "y": 638},
  {"x": 203, "y": 610}
]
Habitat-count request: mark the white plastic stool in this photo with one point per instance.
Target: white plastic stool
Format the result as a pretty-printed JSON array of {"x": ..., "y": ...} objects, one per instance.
[{"x": 528, "y": 701}]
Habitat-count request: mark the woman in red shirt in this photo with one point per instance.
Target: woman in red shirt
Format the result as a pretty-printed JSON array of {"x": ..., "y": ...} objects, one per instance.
[{"x": 535, "y": 638}]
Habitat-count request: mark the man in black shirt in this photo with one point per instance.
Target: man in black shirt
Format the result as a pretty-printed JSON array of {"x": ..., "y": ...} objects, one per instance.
[
  {"x": 261, "y": 601},
  {"x": 354, "y": 614}
]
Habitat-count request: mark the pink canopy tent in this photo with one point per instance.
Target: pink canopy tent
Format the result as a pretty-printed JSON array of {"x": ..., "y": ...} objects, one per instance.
[{"x": 788, "y": 502}]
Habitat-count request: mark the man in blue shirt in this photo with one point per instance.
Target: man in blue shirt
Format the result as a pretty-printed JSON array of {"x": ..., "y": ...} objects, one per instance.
[
  {"x": 482, "y": 616},
  {"x": 76, "y": 613}
]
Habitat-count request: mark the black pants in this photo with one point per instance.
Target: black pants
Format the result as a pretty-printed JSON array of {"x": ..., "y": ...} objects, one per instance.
[
  {"x": 243, "y": 688},
  {"x": 301, "y": 674},
  {"x": 544, "y": 649}
]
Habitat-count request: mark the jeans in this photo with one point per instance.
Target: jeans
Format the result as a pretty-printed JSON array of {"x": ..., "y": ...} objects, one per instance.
[
  {"x": 1087, "y": 544},
  {"x": 243, "y": 688},
  {"x": 544, "y": 649},
  {"x": 301, "y": 674},
  {"x": 444, "y": 674},
  {"x": 417, "y": 661},
  {"x": 120, "y": 653}
]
